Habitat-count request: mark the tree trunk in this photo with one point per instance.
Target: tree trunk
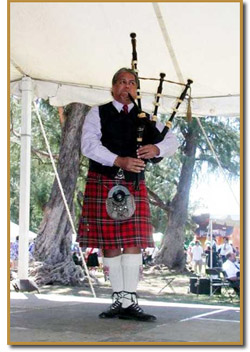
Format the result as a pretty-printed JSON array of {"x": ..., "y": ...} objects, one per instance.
[
  {"x": 172, "y": 250},
  {"x": 53, "y": 243}
]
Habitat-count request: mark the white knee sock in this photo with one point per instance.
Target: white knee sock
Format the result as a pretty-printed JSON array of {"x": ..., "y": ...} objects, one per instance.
[
  {"x": 131, "y": 265},
  {"x": 112, "y": 267}
]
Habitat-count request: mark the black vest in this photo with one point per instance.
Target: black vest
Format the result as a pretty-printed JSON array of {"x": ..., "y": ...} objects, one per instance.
[{"x": 119, "y": 131}]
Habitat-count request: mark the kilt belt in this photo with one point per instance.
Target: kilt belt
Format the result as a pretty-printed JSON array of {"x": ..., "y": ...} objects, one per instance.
[
  {"x": 96, "y": 228},
  {"x": 111, "y": 172}
]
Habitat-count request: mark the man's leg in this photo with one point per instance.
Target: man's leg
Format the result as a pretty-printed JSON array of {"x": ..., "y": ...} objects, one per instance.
[
  {"x": 131, "y": 267},
  {"x": 236, "y": 286},
  {"x": 195, "y": 266},
  {"x": 113, "y": 269},
  {"x": 200, "y": 267}
]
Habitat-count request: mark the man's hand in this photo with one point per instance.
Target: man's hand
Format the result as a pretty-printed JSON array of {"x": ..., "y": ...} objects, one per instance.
[
  {"x": 130, "y": 164},
  {"x": 148, "y": 151}
]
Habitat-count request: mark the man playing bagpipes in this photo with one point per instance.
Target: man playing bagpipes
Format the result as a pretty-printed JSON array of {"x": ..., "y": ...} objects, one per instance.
[{"x": 116, "y": 215}]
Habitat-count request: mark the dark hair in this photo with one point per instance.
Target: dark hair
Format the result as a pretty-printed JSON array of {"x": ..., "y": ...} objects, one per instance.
[
  {"x": 122, "y": 70},
  {"x": 228, "y": 255}
]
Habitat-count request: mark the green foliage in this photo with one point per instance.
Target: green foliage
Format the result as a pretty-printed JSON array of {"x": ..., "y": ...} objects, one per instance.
[
  {"x": 14, "y": 182},
  {"x": 223, "y": 134},
  {"x": 14, "y": 159},
  {"x": 42, "y": 175}
]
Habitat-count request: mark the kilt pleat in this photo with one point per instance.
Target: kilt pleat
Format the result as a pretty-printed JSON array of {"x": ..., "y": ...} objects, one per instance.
[{"x": 97, "y": 230}]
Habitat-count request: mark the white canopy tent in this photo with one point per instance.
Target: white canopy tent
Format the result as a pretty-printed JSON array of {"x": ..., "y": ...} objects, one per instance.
[{"x": 69, "y": 51}]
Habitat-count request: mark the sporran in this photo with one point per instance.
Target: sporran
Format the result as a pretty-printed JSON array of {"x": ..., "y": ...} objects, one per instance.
[{"x": 120, "y": 203}]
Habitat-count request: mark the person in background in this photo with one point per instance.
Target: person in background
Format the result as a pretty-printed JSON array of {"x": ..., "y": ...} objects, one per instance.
[
  {"x": 14, "y": 253},
  {"x": 196, "y": 254},
  {"x": 215, "y": 255},
  {"x": 92, "y": 257},
  {"x": 189, "y": 257},
  {"x": 237, "y": 251},
  {"x": 232, "y": 270},
  {"x": 77, "y": 259},
  {"x": 149, "y": 251},
  {"x": 214, "y": 244},
  {"x": 224, "y": 249},
  {"x": 208, "y": 257}
]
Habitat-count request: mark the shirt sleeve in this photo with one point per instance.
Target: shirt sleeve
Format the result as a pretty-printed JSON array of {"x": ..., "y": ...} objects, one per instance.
[
  {"x": 230, "y": 269},
  {"x": 169, "y": 144},
  {"x": 91, "y": 145}
]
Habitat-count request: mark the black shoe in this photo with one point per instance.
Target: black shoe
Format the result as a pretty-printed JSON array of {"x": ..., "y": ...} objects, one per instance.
[
  {"x": 134, "y": 312},
  {"x": 115, "y": 308}
]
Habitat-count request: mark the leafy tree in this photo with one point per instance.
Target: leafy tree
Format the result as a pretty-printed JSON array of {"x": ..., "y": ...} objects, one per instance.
[{"x": 224, "y": 136}]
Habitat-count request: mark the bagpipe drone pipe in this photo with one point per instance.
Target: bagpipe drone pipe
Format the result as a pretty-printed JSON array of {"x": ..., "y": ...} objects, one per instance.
[{"x": 144, "y": 123}]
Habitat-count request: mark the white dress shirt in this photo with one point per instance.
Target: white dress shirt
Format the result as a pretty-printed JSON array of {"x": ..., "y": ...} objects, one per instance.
[
  {"x": 92, "y": 147},
  {"x": 231, "y": 268},
  {"x": 226, "y": 248}
]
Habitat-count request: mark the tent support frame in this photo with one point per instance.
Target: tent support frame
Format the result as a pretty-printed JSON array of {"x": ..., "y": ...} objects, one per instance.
[{"x": 24, "y": 196}]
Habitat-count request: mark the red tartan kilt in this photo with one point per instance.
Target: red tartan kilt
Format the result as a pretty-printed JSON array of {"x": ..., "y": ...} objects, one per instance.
[{"x": 98, "y": 230}]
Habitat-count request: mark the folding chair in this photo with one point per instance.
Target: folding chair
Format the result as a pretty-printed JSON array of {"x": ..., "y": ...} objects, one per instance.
[
  {"x": 168, "y": 280},
  {"x": 231, "y": 287},
  {"x": 216, "y": 282}
]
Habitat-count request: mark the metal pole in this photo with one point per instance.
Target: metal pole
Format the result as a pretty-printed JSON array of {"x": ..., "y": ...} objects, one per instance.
[
  {"x": 211, "y": 243},
  {"x": 24, "y": 196},
  {"x": 211, "y": 253}
]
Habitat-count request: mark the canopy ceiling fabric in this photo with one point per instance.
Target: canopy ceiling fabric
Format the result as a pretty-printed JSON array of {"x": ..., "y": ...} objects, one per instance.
[{"x": 71, "y": 51}]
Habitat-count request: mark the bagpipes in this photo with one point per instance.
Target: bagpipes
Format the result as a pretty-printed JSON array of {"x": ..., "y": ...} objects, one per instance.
[
  {"x": 120, "y": 203},
  {"x": 143, "y": 121}
]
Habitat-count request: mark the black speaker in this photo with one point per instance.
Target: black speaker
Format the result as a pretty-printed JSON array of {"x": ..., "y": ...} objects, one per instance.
[{"x": 202, "y": 286}]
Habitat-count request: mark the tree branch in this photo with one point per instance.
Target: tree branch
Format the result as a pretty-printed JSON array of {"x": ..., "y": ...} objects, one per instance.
[
  {"x": 157, "y": 201},
  {"x": 37, "y": 152}
]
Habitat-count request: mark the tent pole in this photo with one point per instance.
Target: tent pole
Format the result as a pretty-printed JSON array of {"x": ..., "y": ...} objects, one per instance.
[
  {"x": 211, "y": 242},
  {"x": 211, "y": 253},
  {"x": 24, "y": 196}
]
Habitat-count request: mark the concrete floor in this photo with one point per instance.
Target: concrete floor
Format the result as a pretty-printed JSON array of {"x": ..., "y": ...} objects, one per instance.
[{"x": 52, "y": 319}]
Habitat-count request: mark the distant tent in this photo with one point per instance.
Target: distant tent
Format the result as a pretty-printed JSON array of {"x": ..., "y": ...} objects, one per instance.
[
  {"x": 14, "y": 232},
  {"x": 219, "y": 229}
]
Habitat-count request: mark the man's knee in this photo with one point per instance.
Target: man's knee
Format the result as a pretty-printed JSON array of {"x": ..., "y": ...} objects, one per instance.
[
  {"x": 132, "y": 250},
  {"x": 110, "y": 253}
]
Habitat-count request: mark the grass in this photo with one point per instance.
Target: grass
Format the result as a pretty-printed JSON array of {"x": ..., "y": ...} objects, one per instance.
[{"x": 149, "y": 288}]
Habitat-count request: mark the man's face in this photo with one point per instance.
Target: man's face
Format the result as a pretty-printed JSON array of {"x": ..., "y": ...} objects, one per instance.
[
  {"x": 232, "y": 257},
  {"x": 125, "y": 84}
]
